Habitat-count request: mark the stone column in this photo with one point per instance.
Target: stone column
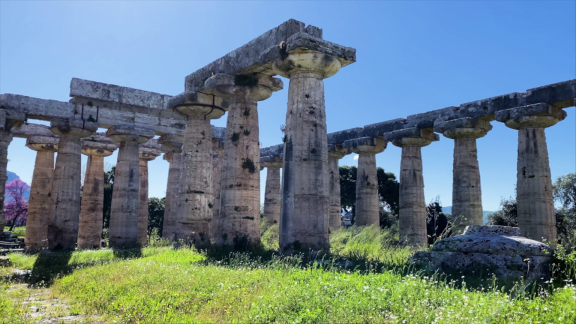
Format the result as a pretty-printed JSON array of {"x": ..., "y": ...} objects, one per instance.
[
  {"x": 8, "y": 118},
  {"x": 123, "y": 230},
  {"x": 239, "y": 222},
  {"x": 173, "y": 202},
  {"x": 146, "y": 154},
  {"x": 217, "y": 161},
  {"x": 536, "y": 216},
  {"x": 335, "y": 153},
  {"x": 96, "y": 147},
  {"x": 40, "y": 202},
  {"x": 197, "y": 197},
  {"x": 272, "y": 195},
  {"x": 63, "y": 223},
  {"x": 466, "y": 188},
  {"x": 412, "y": 213},
  {"x": 367, "y": 204},
  {"x": 305, "y": 203}
]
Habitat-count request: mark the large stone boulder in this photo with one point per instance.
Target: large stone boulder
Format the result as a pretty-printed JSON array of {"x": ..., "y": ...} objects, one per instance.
[{"x": 486, "y": 251}]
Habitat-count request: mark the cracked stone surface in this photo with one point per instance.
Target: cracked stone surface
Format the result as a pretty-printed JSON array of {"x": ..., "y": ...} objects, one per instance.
[{"x": 146, "y": 154}]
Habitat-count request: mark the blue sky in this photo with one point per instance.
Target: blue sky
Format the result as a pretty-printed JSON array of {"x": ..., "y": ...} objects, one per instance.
[{"x": 412, "y": 57}]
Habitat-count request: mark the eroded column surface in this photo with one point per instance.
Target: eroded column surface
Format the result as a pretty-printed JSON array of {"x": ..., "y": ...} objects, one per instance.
[
  {"x": 96, "y": 147},
  {"x": 146, "y": 154},
  {"x": 239, "y": 221},
  {"x": 305, "y": 202},
  {"x": 5, "y": 139},
  {"x": 197, "y": 197},
  {"x": 64, "y": 220},
  {"x": 335, "y": 153},
  {"x": 123, "y": 230},
  {"x": 466, "y": 187},
  {"x": 536, "y": 216},
  {"x": 40, "y": 202},
  {"x": 217, "y": 162},
  {"x": 412, "y": 213},
  {"x": 272, "y": 193},
  {"x": 173, "y": 202},
  {"x": 367, "y": 204}
]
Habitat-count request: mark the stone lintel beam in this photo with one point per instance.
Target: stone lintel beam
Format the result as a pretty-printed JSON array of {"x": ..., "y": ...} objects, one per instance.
[
  {"x": 411, "y": 137},
  {"x": 72, "y": 127},
  {"x": 199, "y": 105},
  {"x": 253, "y": 56},
  {"x": 171, "y": 141},
  {"x": 379, "y": 129},
  {"x": 344, "y": 135},
  {"x": 366, "y": 145},
  {"x": 275, "y": 150},
  {"x": 463, "y": 127},
  {"x": 536, "y": 115}
]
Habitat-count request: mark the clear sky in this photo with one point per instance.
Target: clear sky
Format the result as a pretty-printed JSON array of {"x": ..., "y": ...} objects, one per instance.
[{"x": 412, "y": 57}]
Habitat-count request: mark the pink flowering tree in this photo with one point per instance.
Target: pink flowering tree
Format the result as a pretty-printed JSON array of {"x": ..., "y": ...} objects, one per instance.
[{"x": 15, "y": 206}]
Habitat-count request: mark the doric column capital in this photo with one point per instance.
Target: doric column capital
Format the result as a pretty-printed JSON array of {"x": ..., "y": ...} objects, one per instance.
[
  {"x": 366, "y": 145},
  {"x": 150, "y": 150},
  {"x": 412, "y": 137},
  {"x": 272, "y": 162},
  {"x": 302, "y": 60},
  {"x": 336, "y": 151},
  {"x": 539, "y": 115},
  {"x": 129, "y": 133},
  {"x": 98, "y": 145},
  {"x": 199, "y": 105},
  {"x": 172, "y": 141},
  {"x": 72, "y": 127},
  {"x": 463, "y": 127},
  {"x": 255, "y": 86},
  {"x": 42, "y": 143}
]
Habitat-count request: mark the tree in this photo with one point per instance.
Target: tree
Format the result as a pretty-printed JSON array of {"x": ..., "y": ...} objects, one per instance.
[
  {"x": 437, "y": 223},
  {"x": 155, "y": 215},
  {"x": 564, "y": 190},
  {"x": 388, "y": 193},
  {"x": 507, "y": 215},
  {"x": 16, "y": 207}
]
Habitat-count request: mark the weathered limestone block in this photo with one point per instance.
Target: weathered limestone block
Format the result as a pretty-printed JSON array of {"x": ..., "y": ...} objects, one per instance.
[
  {"x": 335, "y": 153},
  {"x": 239, "y": 221},
  {"x": 63, "y": 223},
  {"x": 197, "y": 197},
  {"x": 466, "y": 188},
  {"x": 272, "y": 194},
  {"x": 305, "y": 202},
  {"x": 367, "y": 204},
  {"x": 40, "y": 202},
  {"x": 485, "y": 250},
  {"x": 124, "y": 214},
  {"x": 412, "y": 214},
  {"x": 148, "y": 152},
  {"x": 536, "y": 216},
  {"x": 217, "y": 162}
]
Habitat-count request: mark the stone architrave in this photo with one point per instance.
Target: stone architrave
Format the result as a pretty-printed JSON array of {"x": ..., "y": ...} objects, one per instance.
[
  {"x": 124, "y": 214},
  {"x": 272, "y": 194},
  {"x": 239, "y": 221},
  {"x": 197, "y": 197},
  {"x": 64, "y": 220},
  {"x": 148, "y": 152},
  {"x": 173, "y": 202},
  {"x": 305, "y": 201},
  {"x": 217, "y": 161},
  {"x": 412, "y": 213},
  {"x": 40, "y": 202},
  {"x": 536, "y": 216},
  {"x": 466, "y": 187},
  {"x": 367, "y": 204},
  {"x": 335, "y": 153}
]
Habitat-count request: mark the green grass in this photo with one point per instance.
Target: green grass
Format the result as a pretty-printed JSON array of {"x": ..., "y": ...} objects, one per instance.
[{"x": 164, "y": 285}]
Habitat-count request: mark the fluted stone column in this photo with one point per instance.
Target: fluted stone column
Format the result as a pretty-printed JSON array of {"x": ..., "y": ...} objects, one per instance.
[
  {"x": 367, "y": 204},
  {"x": 63, "y": 223},
  {"x": 536, "y": 216},
  {"x": 412, "y": 213},
  {"x": 146, "y": 154},
  {"x": 335, "y": 153},
  {"x": 272, "y": 194},
  {"x": 239, "y": 222},
  {"x": 194, "y": 225},
  {"x": 466, "y": 187},
  {"x": 96, "y": 147},
  {"x": 123, "y": 230},
  {"x": 173, "y": 202},
  {"x": 305, "y": 202},
  {"x": 40, "y": 202},
  {"x": 217, "y": 162}
]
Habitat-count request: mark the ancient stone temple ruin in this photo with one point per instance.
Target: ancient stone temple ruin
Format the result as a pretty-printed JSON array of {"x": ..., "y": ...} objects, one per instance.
[{"x": 213, "y": 189}]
